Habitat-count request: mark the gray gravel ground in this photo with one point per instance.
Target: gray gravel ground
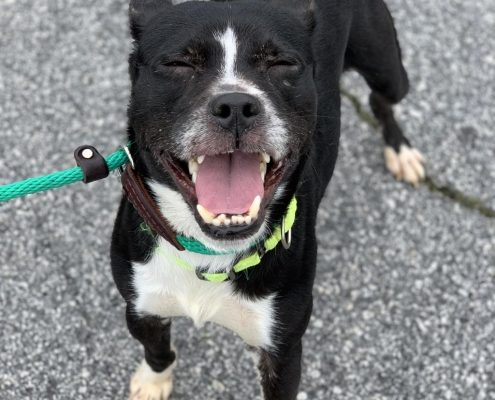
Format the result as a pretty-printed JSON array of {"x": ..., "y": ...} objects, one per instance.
[{"x": 405, "y": 294}]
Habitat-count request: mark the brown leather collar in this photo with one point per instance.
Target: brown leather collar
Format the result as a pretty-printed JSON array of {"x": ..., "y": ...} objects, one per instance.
[{"x": 145, "y": 205}]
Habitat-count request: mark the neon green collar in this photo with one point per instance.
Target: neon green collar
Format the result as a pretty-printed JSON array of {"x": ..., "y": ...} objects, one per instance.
[{"x": 246, "y": 262}]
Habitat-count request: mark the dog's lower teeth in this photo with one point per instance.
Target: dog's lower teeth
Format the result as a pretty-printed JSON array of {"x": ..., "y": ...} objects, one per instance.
[
  {"x": 216, "y": 222},
  {"x": 228, "y": 220}
]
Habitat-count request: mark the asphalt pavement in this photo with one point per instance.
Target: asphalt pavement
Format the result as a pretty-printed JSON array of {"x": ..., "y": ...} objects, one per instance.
[{"x": 405, "y": 292}]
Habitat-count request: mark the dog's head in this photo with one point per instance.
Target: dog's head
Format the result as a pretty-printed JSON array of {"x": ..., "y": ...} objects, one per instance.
[{"x": 223, "y": 108}]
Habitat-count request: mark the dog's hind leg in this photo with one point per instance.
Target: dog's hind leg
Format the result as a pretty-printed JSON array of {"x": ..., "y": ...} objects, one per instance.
[
  {"x": 402, "y": 160},
  {"x": 374, "y": 51},
  {"x": 153, "y": 378}
]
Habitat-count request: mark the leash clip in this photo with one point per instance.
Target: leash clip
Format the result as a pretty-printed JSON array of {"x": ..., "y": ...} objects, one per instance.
[{"x": 285, "y": 238}]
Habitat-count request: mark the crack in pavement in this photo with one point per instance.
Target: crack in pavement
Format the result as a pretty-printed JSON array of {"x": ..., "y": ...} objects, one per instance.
[{"x": 465, "y": 200}]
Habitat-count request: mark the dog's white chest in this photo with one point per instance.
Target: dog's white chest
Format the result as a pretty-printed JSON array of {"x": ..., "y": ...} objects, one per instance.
[{"x": 167, "y": 290}]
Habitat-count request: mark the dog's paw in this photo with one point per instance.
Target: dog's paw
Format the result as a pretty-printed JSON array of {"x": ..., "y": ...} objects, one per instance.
[
  {"x": 407, "y": 164},
  {"x": 149, "y": 385}
]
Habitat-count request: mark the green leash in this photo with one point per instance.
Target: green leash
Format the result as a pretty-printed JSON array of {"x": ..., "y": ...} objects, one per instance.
[
  {"x": 56, "y": 179},
  {"x": 117, "y": 160}
]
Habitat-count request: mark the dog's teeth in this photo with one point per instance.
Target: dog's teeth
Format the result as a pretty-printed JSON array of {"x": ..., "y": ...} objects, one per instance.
[
  {"x": 201, "y": 159},
  {"x": 222, "y": 219},
  {"x": 216, "y": 222},
  {"x": 238, "y": 219},
  {"x": 255, "y": 207},
  {"x": 265, "y": 157},
  {"x": 194, "y": 176},
  {"x": 207, "y": 216},
  {"x": 263, "y": 170},
  {"x": 193, "y": 166}
]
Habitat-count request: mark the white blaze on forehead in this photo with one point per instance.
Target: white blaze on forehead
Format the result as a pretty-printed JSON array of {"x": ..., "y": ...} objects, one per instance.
[
  {"x": 230, "y": 80},
  {"x": 228, "y": 41}
]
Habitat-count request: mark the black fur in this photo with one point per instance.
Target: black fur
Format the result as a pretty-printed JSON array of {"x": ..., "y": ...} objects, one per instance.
[{"x": 356, "y": 34}]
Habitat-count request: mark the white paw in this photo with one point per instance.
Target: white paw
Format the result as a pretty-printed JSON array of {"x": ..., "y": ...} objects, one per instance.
[
  {"x": 407, "y": 165},
  {"x": 149, "y": 385}
]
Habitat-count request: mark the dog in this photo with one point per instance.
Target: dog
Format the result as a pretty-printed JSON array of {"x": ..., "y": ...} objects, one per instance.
[{"x": 234, "y": 122}]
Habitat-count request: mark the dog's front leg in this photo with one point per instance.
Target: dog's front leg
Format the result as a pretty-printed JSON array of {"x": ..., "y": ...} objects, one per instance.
[
  {"x": 281, "y": 372},
  {"x": 153, "y": 378},
  {"x": 280, "y": 365}
]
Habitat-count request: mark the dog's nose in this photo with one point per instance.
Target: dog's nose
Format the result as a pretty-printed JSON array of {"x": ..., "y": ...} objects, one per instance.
[{"x": 235, "y": 111}]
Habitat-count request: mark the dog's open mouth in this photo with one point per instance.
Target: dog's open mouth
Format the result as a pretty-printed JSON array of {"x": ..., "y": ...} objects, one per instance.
[{"x": 229, "y": 191}]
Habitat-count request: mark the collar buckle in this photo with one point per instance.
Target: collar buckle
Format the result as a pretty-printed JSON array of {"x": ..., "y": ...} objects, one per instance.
[
  {"x": 285, "y": 236},
  {"x": 200, "y": 275}
]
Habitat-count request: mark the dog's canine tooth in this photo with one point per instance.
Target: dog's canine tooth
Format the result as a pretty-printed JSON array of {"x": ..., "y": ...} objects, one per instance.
[
  {"x": 255, "y": 207},
  {"x": 265, "y": 157},
  {"x": 201, "y": 159},
  {"x": 207, "y": 216},
  {"x": 193, "y": 166},
  {"x": 194, "y": 176},
  {"x": 263, "y": 170}
]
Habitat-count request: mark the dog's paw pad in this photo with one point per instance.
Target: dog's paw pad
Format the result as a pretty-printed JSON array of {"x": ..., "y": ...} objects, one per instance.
[
  {"x": 407, "y": 165},
  {"x": 149, "y": 385}
]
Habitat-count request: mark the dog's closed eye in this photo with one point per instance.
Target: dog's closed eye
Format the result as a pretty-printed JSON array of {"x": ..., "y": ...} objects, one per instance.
[
  {"x": 180, "y": 64},
  {"x": 176, "y": 67},
  {"x": 281, "y": 66}
]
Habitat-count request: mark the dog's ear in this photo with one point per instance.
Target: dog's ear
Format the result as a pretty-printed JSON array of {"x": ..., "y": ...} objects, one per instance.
[
  {"x": 141, "y": 10},
  {"x": 307, "y": 9}
]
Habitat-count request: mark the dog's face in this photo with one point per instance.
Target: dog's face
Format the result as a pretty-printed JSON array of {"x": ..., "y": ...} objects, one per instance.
[{"x": 223, "y": 105}]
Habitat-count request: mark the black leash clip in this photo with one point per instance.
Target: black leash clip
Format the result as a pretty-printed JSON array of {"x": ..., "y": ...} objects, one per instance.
[{"x": 92, "y": 163}]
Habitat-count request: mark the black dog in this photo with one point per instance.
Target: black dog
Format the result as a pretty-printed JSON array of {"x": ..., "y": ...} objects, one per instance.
[{"x": 235, "y": 112}]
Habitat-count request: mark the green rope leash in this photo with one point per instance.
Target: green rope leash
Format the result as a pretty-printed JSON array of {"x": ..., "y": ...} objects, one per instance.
[
  {"x": 56, "y": 179},
  {"x": 116, "y": 160}
]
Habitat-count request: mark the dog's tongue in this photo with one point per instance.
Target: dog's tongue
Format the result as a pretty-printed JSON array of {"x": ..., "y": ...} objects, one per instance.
[{"x": 228, "y": 183}]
